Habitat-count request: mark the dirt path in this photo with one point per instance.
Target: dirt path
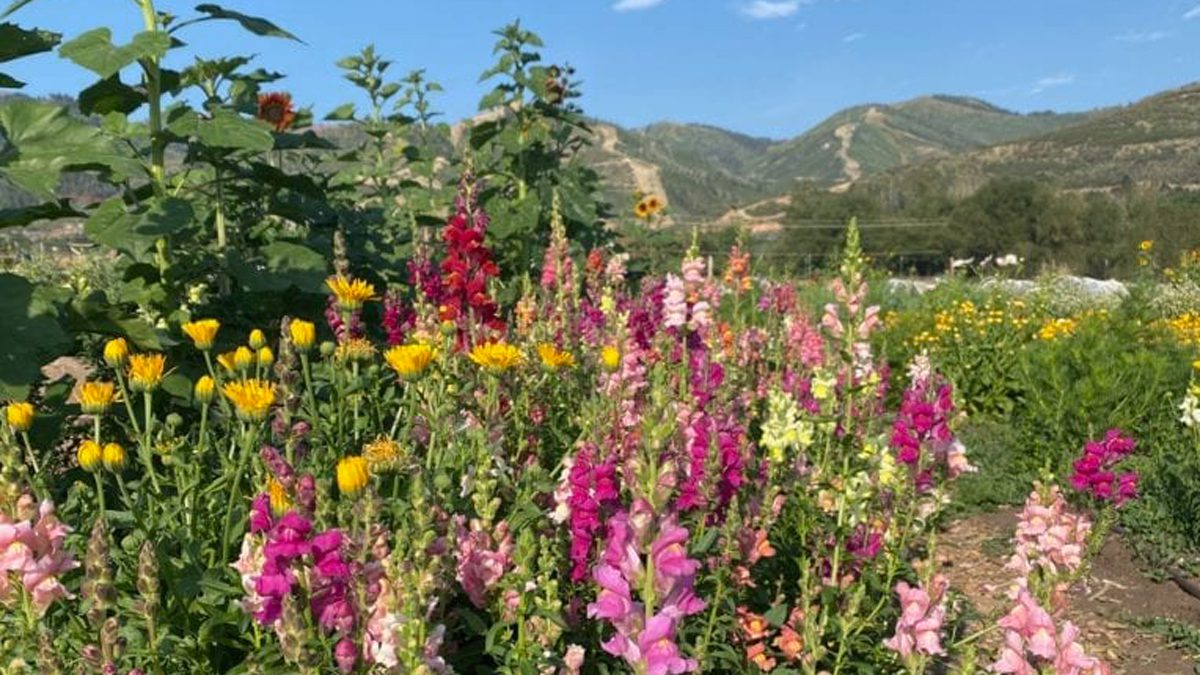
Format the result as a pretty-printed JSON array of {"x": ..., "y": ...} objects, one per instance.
[
  {"x": 1114, "y": 595},
  {"x": 850, "y": 166},
  {"x": 646, "y": 176}
]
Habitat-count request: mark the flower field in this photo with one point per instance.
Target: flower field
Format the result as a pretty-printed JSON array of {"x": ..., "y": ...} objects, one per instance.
[{"x": 384, "y": 410}]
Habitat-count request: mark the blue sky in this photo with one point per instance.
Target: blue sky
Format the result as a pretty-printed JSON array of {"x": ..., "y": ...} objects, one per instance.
[{"x": 764, "y": 67}]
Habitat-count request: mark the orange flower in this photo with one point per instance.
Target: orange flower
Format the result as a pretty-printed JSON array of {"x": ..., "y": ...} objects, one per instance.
[
  {"x": 790, "y": 643},
  {"x": 276, "y": 109},
  {"x": 754, "y": 626},
  {"x": 757, "y": 654}
]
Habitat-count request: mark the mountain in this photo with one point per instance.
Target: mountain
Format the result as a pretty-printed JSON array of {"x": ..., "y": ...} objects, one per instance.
[
  {"x": 705, "y": 171},
  {"x": 1155, "y": 141}
]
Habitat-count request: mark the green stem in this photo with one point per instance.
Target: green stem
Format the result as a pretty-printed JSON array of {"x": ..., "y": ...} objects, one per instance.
[
  {"x": 100, "y": 497},
  {"x": 234, "y": 492},
  {"x": 29, "y": 456},
  {"x": 154, "y": 98},
  {"x": 137, "y": 428},
  {"x": 147, "y": 448}
]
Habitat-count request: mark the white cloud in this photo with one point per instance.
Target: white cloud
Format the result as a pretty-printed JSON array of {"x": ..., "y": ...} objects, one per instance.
[
  {"x": 1143, "y": 37},
  {"x": 1193, "y": 13},
  {"x": 1059, "y": 80},
  {"x": 853, "y": 37},
  {"x": 768, "y": 9},
  {"x": 634, "y": 5}
]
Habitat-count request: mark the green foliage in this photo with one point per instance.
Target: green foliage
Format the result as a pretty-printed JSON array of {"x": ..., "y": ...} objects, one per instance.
[{"x": 16, "y": 42}]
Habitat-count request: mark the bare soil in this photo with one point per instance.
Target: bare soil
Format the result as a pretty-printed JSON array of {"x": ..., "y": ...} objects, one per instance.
[{"x": 1106, "y": 605}]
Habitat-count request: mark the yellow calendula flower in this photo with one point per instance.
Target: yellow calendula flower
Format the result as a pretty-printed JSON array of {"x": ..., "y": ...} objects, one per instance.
[
  {"x": 265, "y": 356},
  {"x": 114, "y": 457},
  {"x": 355, "y": 350},
  {"x": 382, "y": 454},
  {"x": 350, "y": 293},
  {"x": 352, "y": 475},
  {"x": 116, "y": 352},
  {"x": 237, "y": 361},
  {"x": 1196, "y": 365},
  {"x": 496, "y": 357},
  {"x": 610, "y": 358},
  {"x": 1146, "y": 246},
  {"x": 203, "y": 332},
  {"x": 251, "y": 398},
  {"x": 96, "y": 397},
  {"x": 278, "y": 496},
  {"x": 258, "y": 339},
  {"x": 203, "y": 391},
  {"x": 554, "y": 358},
  {"x": 303, "y": 334},
  {"x": 410, "y": 361},
  {"x": 19, "y": 416},
  {"x": 146, "y": 371},
  {"x": 89, "y": 455}
]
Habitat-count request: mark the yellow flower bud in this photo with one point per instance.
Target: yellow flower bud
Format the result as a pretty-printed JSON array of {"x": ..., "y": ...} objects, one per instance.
[
  {"x": 114, "y": 457},
  {"x": 243, "y": 359},
  {"x": 610, "y": 358},
  {"x": 116, "y": 352},
  {"x": 257, "y": 339},
  {"x": 20, "y": 416},
  {"x": 265, "y": 356},
  {"x": 352, "y": 475},
  {"x": 203, "y": 332},
  {"x": 204, "y": 389},
  {"x": 89, "y": 456},
  {"x": 304, "y": 334}
]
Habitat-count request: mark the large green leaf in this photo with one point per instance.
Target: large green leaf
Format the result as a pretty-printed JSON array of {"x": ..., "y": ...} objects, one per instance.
[
  {"x": 95, "y": 51},
  {"x": 23, "y": 215},
  {"x": 110, "y": 95},
  {"x": 135, "y": 232},
  {"x": 95, "y": 314},
  {"x": 16, "y": 42},
  {"x": 254, "y": 24},
  {"x": 44, "y": 140},
  {"x": 225, "y": 129},
  {"x": 287, "y": 265},
  {"x": 31, "y": 337}
]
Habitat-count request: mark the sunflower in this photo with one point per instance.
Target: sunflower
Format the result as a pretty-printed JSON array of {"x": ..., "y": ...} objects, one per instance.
[
  {"x": 496, "y": 357},
  {"x": 642, "y": 209},
  {"x": 146, "y": 371},
  {"x": 554, "y": 358},
  {"x": 96, "y": 397},
  {"x": 276, "y": 109},
  {"x": 410, "y": 361},
  {"x": 352, "y": 475},
  {"x": 610, "y": 358},
  {"x": 278, "y": 496},
  {"x": 203, "y": 332},
  {"x": 252, "y": 398},
  {"x": 382, "y": 454},
  {"x": 654, "y": 204},
  {"x": 303, "y": 333},
  {"x": 355, "y": 350},
  {"x": 350, "y": 293}
]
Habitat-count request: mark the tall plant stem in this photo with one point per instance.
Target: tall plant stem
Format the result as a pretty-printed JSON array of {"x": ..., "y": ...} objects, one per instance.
[
  {"x": 154, "y": 99},
  {"x": 243, "y": 459}
]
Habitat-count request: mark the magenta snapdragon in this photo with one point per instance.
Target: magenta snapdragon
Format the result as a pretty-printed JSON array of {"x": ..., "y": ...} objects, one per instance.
[{"x": 1094, "y": 470}]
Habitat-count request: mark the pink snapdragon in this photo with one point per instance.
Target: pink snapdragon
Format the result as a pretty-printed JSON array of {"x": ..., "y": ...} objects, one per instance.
[
  {"x": 921, "y": 434},
  {"x": 646, "y": 641},
  {"x": 33, "y": 551},
  {"x": 1049, "y": 536},
  {"x": 483, "y": 557},
  {"x": 1094, "y": 470},
  {"x": 1032, "y": 644},
  {"x": 923, "y": 611}
]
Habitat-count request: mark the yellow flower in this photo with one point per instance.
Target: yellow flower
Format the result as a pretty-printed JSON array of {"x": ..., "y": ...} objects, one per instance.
[
  {"x": 265, "y": 356},
  {"x": 203, "y": 391},
  {"x": 382, "y": 454},
  {"x": 116, "y": 352},
  {"x": 114, "y": 457},
  {"x": 822, "y": 387},
  {"x": 202, "y": 332},
  {"x": 252, "y": 398},
  {"x": 237, "y": 361},
  {"x": 20, "y": 416},
  {"x": 496, "y": 357},
  {"x": 257, "y": 339},
  {"x": 355, "y": 350},
  {"x": 554, "y": 358},
  {"x": 410, "y": 361},
  {"x": 89, "y": 456},
  {"x": 350, "y": 293},
  {"x": 654, "y": 204},
  {"x": 96, "y": 397},
  {"x": 1196, "y": 365},
  {"x": 352, "y": 475},
  {"x": 146, "y": 371},
  {"x": 1146, "y": 246},
  {"x": 642, "y": 210},
  {"x": 610, "y": 358},
  {"x": 303, "y": 333},
  {"x": 277, "y": 493}
]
